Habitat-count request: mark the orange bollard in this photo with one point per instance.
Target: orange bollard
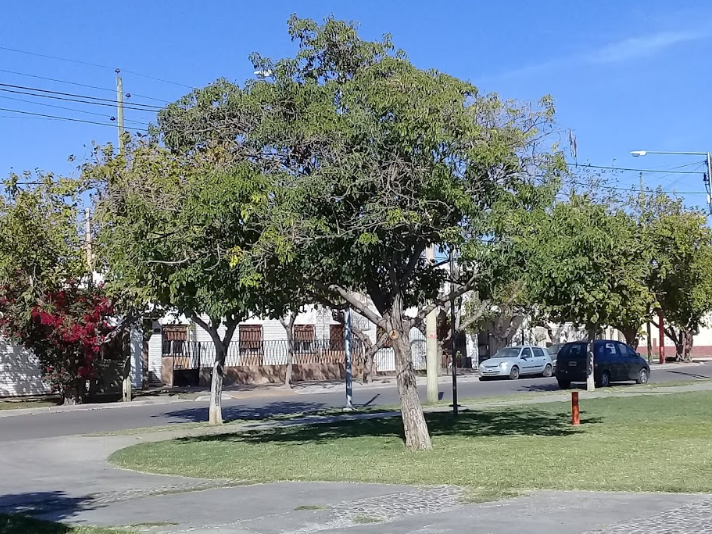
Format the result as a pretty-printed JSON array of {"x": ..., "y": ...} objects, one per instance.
[{"x": 575, "y": 416}]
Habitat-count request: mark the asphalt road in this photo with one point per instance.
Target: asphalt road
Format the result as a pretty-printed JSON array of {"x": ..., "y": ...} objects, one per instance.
[{"x": 121, "y": 418}]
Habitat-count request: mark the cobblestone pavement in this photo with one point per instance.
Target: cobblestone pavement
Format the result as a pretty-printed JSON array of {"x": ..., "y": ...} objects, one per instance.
[
  {"x": 417, "y": 501},
  {"x": 693, "y": 518}
]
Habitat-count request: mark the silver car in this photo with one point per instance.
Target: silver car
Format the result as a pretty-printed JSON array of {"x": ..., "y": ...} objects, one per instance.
[{"x": 514, "y": 362}]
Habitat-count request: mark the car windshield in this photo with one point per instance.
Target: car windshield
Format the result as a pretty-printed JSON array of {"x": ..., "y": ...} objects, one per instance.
[
  {"x": 553, "y": 350},
  {"x": 509, "y": 352}
]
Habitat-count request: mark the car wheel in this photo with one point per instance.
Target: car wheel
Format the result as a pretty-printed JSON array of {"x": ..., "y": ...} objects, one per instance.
[
  {"x": 514, "y": 373},
  {"x": 548, "y": 371},
  {"x": 643, "y": 376},
  {"x": 564, "y": 384},
  {"x": 605, "y": 380}
]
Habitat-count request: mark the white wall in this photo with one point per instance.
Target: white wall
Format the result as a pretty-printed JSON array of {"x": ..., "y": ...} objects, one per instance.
[{"x": 19, "y": 372}]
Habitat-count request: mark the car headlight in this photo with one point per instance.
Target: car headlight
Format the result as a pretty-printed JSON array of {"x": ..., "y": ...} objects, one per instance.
[{"x": 503, "y": 365}]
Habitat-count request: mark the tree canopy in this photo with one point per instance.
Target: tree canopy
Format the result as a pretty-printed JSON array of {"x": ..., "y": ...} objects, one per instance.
[{"x": 376, "y": 159}]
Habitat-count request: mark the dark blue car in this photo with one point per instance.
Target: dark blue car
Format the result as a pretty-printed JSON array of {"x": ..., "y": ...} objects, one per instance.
[{"x": 613, "y": 361}]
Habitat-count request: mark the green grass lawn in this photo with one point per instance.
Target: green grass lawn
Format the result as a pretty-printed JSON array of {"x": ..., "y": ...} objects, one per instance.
[
  {"x": 19, "y": 404},
  {"x": 18, "y": 524},
  {"x": 642, "y": 443}
]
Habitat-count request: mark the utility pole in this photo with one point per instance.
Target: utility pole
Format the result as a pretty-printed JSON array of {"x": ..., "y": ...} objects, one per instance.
[
  {"x": 347, "y": 360},
  {"x": 120, "y": 109},
  {"x": 431, "y": 342},
  {"x": 453, "y": 333},
  {"x": 126, "y": 384},
  {"x": 707, "y": 179},
  {"x": 87, "y": 246}
]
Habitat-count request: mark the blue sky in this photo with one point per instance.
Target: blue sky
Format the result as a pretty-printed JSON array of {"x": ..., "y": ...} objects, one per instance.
[{"x": 624, "y": 75}]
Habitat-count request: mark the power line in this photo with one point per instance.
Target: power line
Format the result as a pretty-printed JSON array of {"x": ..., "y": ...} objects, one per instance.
[
  {"x": 77, "y": 84},
  {"x": 611, "y": 168},
  {"x": 57, "y": 94},
  {"x": 77, "y": 100},
  {"x": 72, "y": 119},
  {"x": 66, "y": 108},
  {"x": 90, "y": 64},
  {"x": 632, "y": 189}
]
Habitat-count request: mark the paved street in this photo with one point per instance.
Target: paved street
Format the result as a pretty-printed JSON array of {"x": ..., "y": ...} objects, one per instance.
[
  {"x": 42, "y": 425},
  {"x": 68, "y": 479}
]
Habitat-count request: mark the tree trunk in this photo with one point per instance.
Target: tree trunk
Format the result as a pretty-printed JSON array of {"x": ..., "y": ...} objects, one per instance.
[
  {"x": 688, "y": 346},
  {"x": 216, "y": 386},
  {"x": 415, "y": 428},
  {"x": 631, "y": 336},
  {"x": 369, "y": 357},
  {"x": 590, "y": 378},
  {"x": 289, "y": 329},
  {"x": 72, "y": 393}
]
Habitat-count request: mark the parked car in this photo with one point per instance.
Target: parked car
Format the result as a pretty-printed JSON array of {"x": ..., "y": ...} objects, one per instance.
[
  {"x": 613, "y": 361},
  {"x": 514, "y": 362},
  {"x": 553, "y": 351}
]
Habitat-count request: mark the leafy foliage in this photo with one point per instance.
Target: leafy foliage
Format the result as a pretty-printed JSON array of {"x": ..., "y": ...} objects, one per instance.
[
  {"x": 372, "y": 159},
  {"x": 44, "y": 305},
  {"x": 589, "y": 265},
  {"x": 66, "y": 330},
  {"x": 681, "y": 274}
]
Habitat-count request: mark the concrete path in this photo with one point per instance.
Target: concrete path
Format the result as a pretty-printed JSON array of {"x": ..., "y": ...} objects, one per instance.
[{"x": 68, "y": 479}]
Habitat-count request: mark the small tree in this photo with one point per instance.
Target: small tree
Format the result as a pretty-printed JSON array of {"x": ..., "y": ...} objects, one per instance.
[
  {"x": 44, "y": 306},
  {"x": 175, "y": 228},
  {"x": 66, "y": 330}
]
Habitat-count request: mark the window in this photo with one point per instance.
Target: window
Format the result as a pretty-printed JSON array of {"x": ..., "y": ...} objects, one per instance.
[
  {"x": 336, "y": 337},
  {"x": 526, "y": 352},
  {"x": 304, "y": 336},
  {"x": 627, "y": 351},
  {"x": 539, "y": 353},
  {"x": 250, "y": 338},
  {"x": 606, "y": 350},
  {"x": 175, "y": 338}
]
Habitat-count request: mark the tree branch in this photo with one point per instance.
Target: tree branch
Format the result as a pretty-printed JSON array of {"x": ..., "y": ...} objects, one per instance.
[
  {"x": 414, "y": 259},
  {"x": 358, "y": 305},
  {"x": 209, "y": 328}
]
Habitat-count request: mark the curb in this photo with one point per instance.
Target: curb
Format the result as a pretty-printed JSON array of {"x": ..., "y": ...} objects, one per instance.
[{"x": 87, "y": 407}]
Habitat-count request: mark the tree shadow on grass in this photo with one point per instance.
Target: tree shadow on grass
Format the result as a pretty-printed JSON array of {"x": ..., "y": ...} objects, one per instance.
[
  {"x": 488, "y": 423},
  {"x": 245, "y": 412}
]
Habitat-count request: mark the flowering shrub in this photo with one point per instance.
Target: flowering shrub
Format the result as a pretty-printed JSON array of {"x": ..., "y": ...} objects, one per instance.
[{"x": 65, "y": 329}]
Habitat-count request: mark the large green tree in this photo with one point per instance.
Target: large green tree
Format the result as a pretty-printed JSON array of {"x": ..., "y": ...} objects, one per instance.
[
  {"x": 589, "y": 265},
  {"x": 377, "y": 160},
  {"x": 681, "y": 267},
  {"x": 174, "y": 228}
]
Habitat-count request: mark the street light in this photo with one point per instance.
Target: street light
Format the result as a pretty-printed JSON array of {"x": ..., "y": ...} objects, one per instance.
[
  {"x": 263, "y": 74},
  {"x": 708, "y": 160}
]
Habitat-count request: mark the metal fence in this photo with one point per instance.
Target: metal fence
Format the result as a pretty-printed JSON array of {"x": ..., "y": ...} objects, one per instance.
[{"x": 196, "y": 354}]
